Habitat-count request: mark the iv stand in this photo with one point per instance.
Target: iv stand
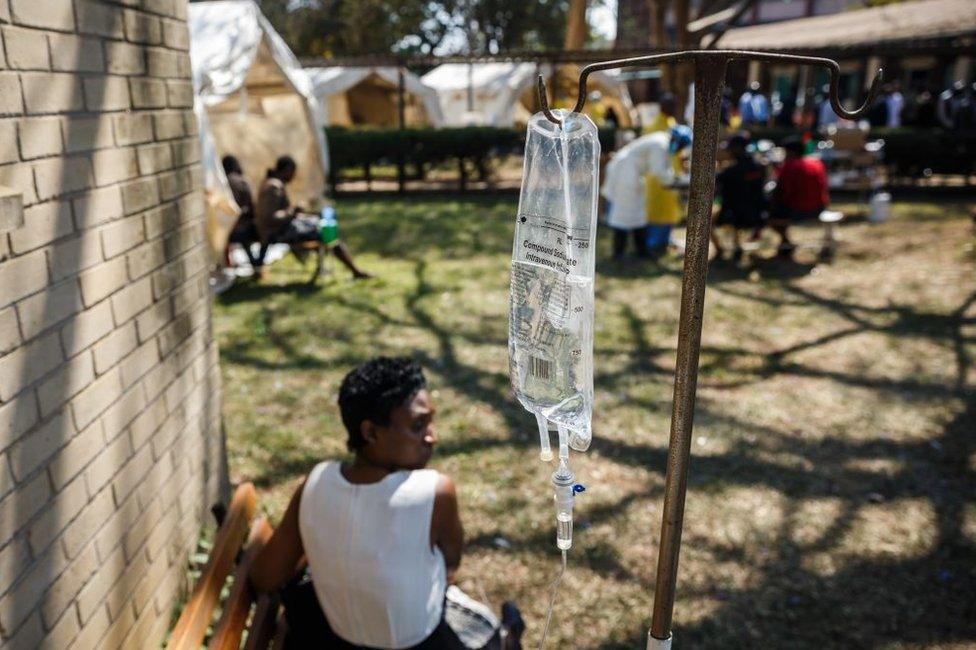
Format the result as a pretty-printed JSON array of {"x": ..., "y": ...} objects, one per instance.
[{"x": 710, "y": 66}]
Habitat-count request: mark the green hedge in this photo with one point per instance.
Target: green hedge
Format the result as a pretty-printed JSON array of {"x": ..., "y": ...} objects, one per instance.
[
  {"x": 911, "y": 152},
  {"x": 419, "y": 149},
  {"x": 907, "y": 152}
]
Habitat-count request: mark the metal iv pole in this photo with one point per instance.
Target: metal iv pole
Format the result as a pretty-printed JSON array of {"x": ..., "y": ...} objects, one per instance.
[{"x": 710, "y": 66}]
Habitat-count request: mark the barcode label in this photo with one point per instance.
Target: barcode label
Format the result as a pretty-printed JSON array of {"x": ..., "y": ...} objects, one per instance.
[{"x": 540, "y": 368}]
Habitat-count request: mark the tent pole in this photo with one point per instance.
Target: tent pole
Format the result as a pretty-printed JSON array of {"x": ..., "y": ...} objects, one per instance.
[
  {"x": 401, "y": 124},
  {"x": 470, "y": 86}
]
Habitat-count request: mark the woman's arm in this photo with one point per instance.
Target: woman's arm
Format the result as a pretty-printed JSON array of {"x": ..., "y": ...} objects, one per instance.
[
  {"x": 445, "y": 527},
  {"x": 276, "y": 563}
]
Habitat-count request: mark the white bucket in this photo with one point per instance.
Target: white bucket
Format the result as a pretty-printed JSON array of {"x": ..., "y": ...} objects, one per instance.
[{"x": 880, "y": 207}]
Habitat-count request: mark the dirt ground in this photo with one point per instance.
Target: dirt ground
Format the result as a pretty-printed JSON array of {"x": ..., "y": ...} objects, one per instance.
[{"x": 832, "y": 491}]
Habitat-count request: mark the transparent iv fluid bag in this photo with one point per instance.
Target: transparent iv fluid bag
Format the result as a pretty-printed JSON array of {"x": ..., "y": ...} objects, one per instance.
[{"x": 550, "y": 336}]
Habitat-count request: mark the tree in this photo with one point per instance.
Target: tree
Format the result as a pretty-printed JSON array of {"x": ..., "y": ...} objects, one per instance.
[
  {"x": 492, "y": 26},
  {"x": 577, "y": 31},
  {"x": 650, "y": 20},
  {"x": 355, "y": 27}
]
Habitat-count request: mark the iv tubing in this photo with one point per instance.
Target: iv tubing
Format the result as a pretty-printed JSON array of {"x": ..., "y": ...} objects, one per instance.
[
  {"x": 553, "y": 590},
  {"x": 546, "y": 453},
  {"x": 563, "y": 443},
  {"x": 563, "y": 432}
]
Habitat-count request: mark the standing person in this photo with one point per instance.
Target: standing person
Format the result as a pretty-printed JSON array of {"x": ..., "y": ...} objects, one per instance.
[
  {"x": 664, "y": 119},
  {"x": 278, "y": 221},
  {"x": 825, "y": 112},
  {"x": 925, "y": 110},
  {"x": 951, "y": 105},
  {"x": 895, "y": 102},
  {"x": 381, "y": 534},
  {"x": 784, "y": 109},
  {"x": 635, "y": 181},
  {"x": 801, "y": 192},
  {"x": 753, "y": 106},
  {"x": 725, "y": 111},
  {"x": 739, "y": 188},
  {"x": 624, "y": 192},
  {"x": 878, "y": 115},
  {"x": 661, "y": 202},
  {"x": 244, "y": 233}
]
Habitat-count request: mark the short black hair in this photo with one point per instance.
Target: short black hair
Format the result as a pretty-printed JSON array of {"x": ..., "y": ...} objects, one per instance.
[
  {"x": 283, "y": 163},
  {"x": 372, "y": 390},
  {"x": 740, "y": 139},
  {"x": 231, "y": 165},
  {"x": 794, "y": 145}
]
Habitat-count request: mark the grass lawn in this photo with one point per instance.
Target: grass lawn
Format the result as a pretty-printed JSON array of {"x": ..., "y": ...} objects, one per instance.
[{"x": 832, "y": 492}]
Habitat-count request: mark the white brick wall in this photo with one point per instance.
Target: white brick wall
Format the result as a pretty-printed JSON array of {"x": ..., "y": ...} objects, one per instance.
[{"x": 108, "y": 375}]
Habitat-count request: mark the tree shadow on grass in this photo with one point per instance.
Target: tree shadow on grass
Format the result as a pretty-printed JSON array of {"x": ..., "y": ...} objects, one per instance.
[
  {"x": 780, "y": 269},
  {"x": 898, "y": 321},
  {"x": 478, "y": 384},
  {"x": 251, "y": 291},
  {"x": 869, "y": 601},
  {"x": 597, "y": 556}
]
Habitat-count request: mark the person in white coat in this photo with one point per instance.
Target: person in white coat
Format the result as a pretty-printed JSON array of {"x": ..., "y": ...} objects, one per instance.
[{"x": 625, "y": 192}]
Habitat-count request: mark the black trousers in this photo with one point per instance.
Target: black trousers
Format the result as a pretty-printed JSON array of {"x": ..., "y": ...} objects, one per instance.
[
  {"x": 620, "y": 241},
  {"x": 309, "y": 628},
  {"x": 245, "y": 236}
]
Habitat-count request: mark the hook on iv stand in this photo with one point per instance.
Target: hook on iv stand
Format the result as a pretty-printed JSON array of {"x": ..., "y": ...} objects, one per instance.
[
  {"x": 726, "y": 56},
  {"x": 709, "y": 79}
]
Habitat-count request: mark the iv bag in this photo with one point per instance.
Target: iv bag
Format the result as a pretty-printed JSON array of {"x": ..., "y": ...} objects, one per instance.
[{"x": 550, "y": 332}]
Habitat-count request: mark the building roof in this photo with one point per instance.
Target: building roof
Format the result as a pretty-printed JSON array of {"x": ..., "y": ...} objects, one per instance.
[{"x": 921, "y": 20}]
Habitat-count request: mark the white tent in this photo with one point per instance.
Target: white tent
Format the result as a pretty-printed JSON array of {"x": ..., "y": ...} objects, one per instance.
[
  {"x": 503, "y": 94},
  {"x": 369, "y": 95},
  {"x": 257, "y": 102}
]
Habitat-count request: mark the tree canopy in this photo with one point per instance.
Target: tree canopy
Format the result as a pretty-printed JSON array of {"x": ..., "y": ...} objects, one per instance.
[{"x": 355, "y": 27}]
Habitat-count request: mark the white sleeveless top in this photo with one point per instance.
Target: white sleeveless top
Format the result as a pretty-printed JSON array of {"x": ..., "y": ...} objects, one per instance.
[{"x": 377, "y": 578}]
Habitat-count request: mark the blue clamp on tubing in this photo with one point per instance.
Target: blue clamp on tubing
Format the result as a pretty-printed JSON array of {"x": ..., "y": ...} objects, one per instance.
[{"x": 578, "y": 488}]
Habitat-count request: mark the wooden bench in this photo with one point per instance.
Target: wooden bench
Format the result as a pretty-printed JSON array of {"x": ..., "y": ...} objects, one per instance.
[
  {"x": 319, "y": 249},
  {"x": 300, "y": 249},
  {"x": 238, "y": 540}
]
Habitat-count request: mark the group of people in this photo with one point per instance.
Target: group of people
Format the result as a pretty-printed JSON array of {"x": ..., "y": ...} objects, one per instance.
[
  {"x": 272, "y": 218},
  {"x": 642, "y": 205},
  {"x": 742, "y": 203},
  {"x": 953, "y": 108},
  {"x": 639, "y": 200}
]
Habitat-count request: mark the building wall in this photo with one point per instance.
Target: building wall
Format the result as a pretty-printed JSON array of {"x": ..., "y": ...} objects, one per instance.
[{"x": 110, "y": 446}]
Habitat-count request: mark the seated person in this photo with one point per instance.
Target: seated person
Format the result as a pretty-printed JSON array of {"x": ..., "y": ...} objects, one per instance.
[
  {"x": 244, "y": 232},
  {"x": 278, "y": 221},
  {"x": 739, "y": 188},
  {"x": 382, "y": 535},
  {"x": 801, "y": 191}
]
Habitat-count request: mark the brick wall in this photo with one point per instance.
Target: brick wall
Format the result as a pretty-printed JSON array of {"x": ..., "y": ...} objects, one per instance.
[{"x": 110, "y": 446}]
